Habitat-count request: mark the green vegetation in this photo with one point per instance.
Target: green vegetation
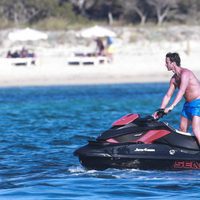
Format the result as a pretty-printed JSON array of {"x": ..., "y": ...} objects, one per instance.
[{"x": 66, "y": 14}]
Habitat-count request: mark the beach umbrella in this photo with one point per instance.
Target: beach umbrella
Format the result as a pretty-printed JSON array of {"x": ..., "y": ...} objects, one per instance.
[
  {"x": 27, "y": 34},
  {"x": 96, "y": 31}
]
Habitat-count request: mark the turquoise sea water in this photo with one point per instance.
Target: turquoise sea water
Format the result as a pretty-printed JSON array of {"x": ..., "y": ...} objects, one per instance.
[{"x": 40, "y": 127}]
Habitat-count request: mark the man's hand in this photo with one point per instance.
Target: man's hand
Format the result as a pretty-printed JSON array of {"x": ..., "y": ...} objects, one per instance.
[
  {"x": 169, "y": 109},
  {"x": 158, "y": 114},
  {"x": 155, "y": 115}
]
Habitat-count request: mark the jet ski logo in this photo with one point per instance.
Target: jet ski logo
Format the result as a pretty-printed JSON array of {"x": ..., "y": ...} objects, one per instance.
[
  {"x": 145, "y": 149},
  {"x": 186, "y": 165},
  {"x": 172, "y": 152}
]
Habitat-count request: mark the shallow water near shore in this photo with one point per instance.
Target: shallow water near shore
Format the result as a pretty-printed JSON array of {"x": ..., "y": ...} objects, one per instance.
[{"x": 42, "y": 126}]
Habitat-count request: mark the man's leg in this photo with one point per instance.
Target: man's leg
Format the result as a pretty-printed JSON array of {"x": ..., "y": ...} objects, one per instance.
[
  {"x": 184, "y": 124},
  {"x": 196, "y": 127}
]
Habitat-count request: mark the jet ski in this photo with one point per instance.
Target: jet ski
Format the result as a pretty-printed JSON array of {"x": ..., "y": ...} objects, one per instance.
[{"x": 135, "y": 142}]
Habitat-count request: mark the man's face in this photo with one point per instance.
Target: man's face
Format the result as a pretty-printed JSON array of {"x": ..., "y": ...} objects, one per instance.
[{"x": 168, "y": 64}]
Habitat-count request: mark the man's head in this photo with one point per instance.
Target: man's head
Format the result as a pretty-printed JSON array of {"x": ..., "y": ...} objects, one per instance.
[
  {"x": 174, "y": 57},
  {"x": 172, "y": 60}
]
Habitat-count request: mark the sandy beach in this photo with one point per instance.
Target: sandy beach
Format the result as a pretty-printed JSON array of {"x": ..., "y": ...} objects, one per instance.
[
  {"x": 56, "y": 71},
  {"x": 142, "y": 61}
]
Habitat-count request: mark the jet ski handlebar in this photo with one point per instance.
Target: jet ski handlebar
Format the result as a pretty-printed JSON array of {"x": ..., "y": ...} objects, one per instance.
[{"x": 160, "y": 113}]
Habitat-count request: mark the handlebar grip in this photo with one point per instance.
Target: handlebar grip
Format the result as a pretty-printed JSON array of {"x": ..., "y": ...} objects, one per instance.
[{"x": 160, "y": 112}]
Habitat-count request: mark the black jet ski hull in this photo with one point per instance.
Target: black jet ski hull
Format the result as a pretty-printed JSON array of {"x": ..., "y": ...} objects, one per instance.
[
  {"x": 137, "y": 156},
  {"x": 141, "y": 164}
]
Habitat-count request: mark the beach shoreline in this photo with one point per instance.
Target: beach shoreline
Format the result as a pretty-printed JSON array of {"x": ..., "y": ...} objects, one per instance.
[{"x": 56, "y": 71}]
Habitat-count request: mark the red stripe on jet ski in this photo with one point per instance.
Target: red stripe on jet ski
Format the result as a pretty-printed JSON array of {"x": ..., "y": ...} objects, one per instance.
[
  {"x": 125, "y": 119},
  {"x": 111, "y": 140},
  {"x": 152, "y": 135}
]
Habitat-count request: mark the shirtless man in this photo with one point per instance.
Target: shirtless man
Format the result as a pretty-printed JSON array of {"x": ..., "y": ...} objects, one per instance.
[{"x": 188, "y": 87}]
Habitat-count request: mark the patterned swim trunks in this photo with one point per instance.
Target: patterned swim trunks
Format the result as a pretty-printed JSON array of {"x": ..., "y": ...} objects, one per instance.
[{"x": 191, "y": 109}]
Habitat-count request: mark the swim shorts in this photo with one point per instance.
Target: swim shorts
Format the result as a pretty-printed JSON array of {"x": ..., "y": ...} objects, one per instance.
[{"x": 191, "y": 109}]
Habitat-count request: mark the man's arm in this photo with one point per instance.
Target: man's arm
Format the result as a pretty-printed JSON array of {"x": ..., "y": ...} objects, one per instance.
[
  {"x": 183, "y": 86},
  {"x": 169, "y": 93},
  {"x": 167, "y": 96}
]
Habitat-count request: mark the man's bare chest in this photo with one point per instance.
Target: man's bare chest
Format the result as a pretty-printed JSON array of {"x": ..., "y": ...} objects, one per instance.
[{"x": 177, "y": 81}]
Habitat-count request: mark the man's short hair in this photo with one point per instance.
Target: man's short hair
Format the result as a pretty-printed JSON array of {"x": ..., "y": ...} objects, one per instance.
[{"x": 174, "y": 57}]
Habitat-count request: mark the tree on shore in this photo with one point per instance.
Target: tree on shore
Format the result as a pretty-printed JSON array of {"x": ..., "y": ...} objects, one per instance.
[
  {"x": 138, "y": 7},
  {"x": 34, "y": 12},
  {"x": 163, "y": 8}
]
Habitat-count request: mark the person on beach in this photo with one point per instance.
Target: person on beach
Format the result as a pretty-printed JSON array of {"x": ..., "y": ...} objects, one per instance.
[
  {"x": 109, "y": 49},
  {"x": 100, "y": 47},
  {"x": 188, "y": 87}
]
